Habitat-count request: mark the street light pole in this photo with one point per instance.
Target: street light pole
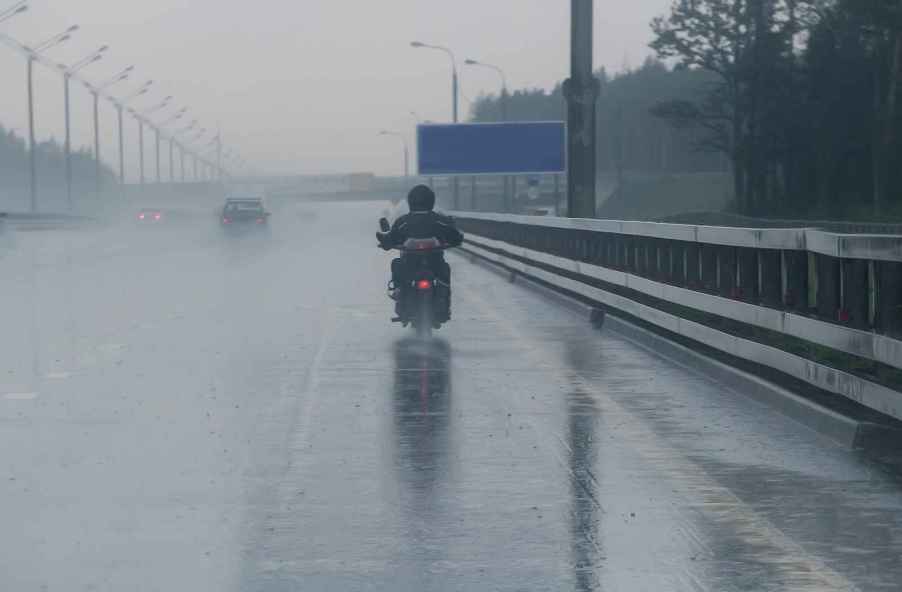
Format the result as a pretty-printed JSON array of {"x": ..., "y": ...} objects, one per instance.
[
  {"x": 157, "y": 128},
  {"x": 219, "y": 155},
  {"x": 454, "y": 103},
  {"x": 31, "y": 55},
  {"x": 96, "y": 145},
  {"x": 68, "y": 72},
  {"x": 504, "y": 93},
  {"x": 141, "y": 121},
  {"x": 120, "y": 104},
  {"x": 32, "y": 164},
  {"x": 68, "y": 143},
  {"x": 157, "y": 132},
  {"x": 506, "y": 184},
  {"x": 121, "y": 146},
  {"x": 141, "y": 149},
  {"x": 95, "y": 91}
]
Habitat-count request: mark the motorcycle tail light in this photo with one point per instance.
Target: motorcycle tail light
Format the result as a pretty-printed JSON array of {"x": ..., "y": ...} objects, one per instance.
[{"x": 424, "y": 284}]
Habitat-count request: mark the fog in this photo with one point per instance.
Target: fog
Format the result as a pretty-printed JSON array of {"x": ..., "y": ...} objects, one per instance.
[
  {"x": 303, "y": 87},
  {"x": 208, "y": 383}
]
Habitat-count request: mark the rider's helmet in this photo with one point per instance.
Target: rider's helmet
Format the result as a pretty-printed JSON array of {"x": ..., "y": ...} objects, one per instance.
[{"x": 421, "y": 199}]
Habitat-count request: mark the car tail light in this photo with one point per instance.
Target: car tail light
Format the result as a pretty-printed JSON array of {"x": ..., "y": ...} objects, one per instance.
[
  {"x": 226, "y": 220},
  {"x": 424, "y": 284},
  {"x": 260, "y": 220},
  {"x": 140, "y": 216},
  {"x": 157, "y": 216}
]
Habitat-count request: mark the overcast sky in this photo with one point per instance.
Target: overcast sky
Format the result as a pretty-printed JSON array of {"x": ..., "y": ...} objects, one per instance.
[{"x": 304, "y": 86}]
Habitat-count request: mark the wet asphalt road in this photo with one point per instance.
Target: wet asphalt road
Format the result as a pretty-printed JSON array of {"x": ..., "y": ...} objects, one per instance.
[{"x": 184, "y": 411}]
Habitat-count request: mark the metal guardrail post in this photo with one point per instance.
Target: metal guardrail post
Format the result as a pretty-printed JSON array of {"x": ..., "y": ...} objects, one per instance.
[
  {"x": 854, "y": 295},
  {"x": 889, "y": 298},
  {"x": 726, "y": 265},
  {"x": 770, "y": 283},
  {"x": 692, "y": 257},
  {"x": 708, "y": 273},
  {"x": 796, "y": 273},
  {"x": 747, "y": 269},
  {"x": 827, "y": 296}
]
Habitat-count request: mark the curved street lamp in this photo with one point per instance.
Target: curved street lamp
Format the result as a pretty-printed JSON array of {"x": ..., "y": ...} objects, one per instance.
[
  {"x": 455, "y": 184},
  {"x": 120, "y": 104},
  {"x": 17, "y": 8},
  {"x": 173, "y": 140},
  {"x": 158, "y": 127},
  {"x": 141, "y": 118},
  {"x": 68, "y": 72},
  {"x": 31, "y": 54},
  {"x": 504, "y": 93},
  {"x": 95, "y": 92},
  {"x": 454, "y": 81},
  {"x": 54, "y": 40}
]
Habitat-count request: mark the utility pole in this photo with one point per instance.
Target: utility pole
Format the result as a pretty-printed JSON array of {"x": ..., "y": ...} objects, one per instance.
[
  {"x": 219, "y": 155},
  {"x": 121, "y": 147},
  {"x": 157, "y": 132},
  {"x": 171, "y": 165},
  {"x": 141, "y": 150},
  {"x": 96, "y": 144},
  {"x": 68, "y": 143},
  {"x": 455, "y": 182},
  {"x": 32, "y": 163},
  {"x": 581, "y": 92}
]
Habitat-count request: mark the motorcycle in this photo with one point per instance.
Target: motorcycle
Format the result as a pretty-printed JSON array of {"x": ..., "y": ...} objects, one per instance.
[{"x": 422, "y": 298}]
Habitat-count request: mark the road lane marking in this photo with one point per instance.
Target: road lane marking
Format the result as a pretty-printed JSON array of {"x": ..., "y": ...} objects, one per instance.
[{"x": 796, "y": 566}]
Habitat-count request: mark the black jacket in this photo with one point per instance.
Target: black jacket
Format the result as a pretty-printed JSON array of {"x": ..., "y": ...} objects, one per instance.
[{"x": 422, "y": 225}]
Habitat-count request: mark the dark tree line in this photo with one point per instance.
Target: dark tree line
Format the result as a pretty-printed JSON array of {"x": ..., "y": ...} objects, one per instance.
[
  {"x": 630, "y": 136},
  {"x": 798, "y": 97},
  {"x": 50, "y": 167}
]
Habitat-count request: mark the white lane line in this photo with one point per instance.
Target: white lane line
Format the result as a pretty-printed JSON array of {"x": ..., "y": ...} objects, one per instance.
[
  {"x": 715, "y": 501},
  {"x": 20, "y": 396}
]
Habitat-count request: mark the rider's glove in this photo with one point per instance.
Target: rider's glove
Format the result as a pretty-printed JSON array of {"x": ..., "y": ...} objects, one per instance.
[{"x": 382, "y": 237}]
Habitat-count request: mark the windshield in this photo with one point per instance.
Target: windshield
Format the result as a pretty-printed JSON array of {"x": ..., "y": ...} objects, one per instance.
[
  {"x": 245, "y": 207},
  {"x": 654, "y": 345}
]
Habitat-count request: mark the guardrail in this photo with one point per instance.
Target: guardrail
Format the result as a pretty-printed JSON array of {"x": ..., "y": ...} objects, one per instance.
[
  {"x": 841, "y": 292},
  {"x": 41, "y": 221}
]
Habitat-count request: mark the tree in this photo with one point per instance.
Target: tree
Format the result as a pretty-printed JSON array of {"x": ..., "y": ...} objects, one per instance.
[{"x": 749, "y": 46}]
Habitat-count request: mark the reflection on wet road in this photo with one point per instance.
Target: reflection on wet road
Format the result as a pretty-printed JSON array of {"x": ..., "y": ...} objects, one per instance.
[{"x": 182, "y": 412}]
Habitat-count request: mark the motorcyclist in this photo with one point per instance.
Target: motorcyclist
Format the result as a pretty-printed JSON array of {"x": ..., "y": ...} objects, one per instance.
[{"x": 421, "y": 222}]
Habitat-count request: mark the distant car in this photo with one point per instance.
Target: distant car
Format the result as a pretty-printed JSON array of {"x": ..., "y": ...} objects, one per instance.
[
  {"x": 149, "y": 216},
  {"x": 244, "y": 213}
]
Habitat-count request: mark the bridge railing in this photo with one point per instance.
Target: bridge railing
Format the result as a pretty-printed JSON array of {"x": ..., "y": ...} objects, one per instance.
[{"x": 825, "y": 307}]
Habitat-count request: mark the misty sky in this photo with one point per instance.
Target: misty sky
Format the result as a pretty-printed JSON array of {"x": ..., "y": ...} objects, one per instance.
[{"x": 304, "y": 86}]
